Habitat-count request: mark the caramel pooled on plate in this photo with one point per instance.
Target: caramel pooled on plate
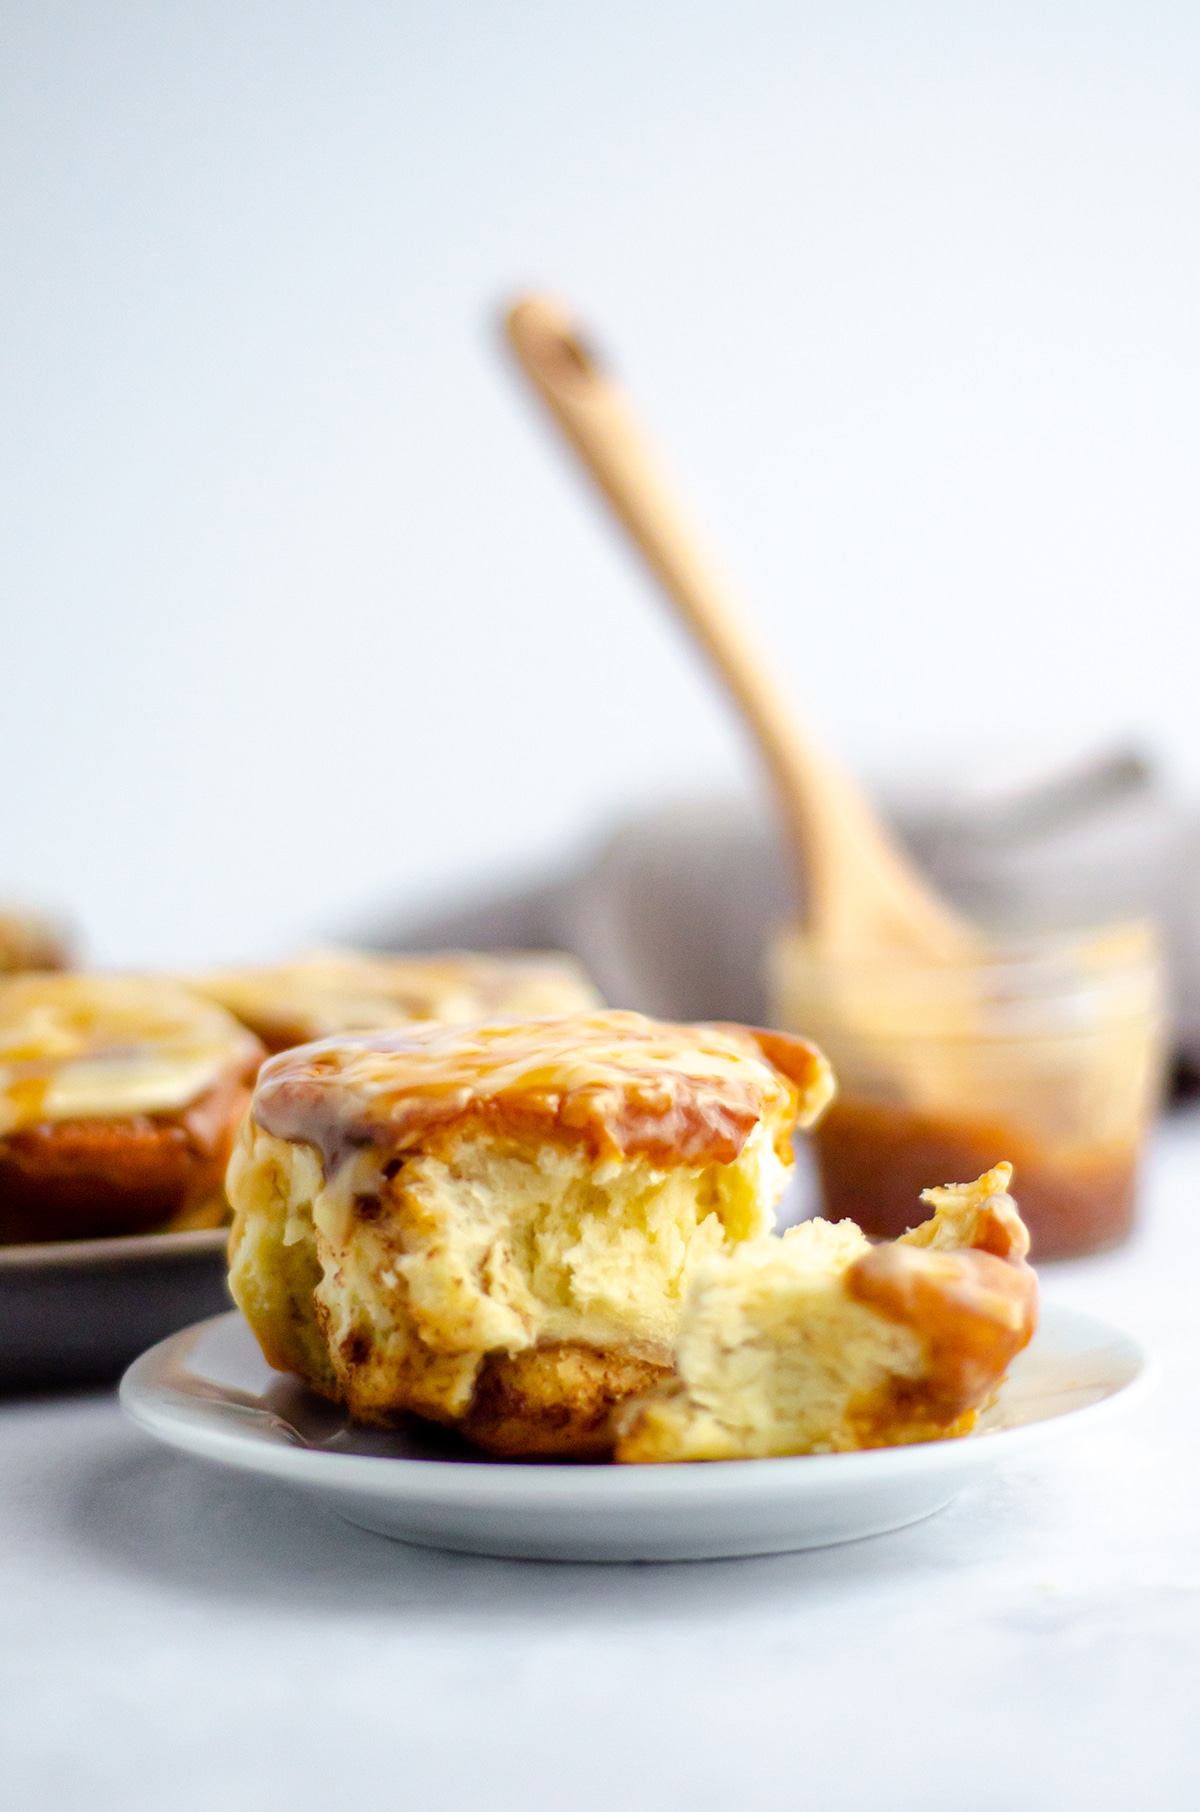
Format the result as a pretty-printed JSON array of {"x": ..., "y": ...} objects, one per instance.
[{"x": 494, "y": 1225}]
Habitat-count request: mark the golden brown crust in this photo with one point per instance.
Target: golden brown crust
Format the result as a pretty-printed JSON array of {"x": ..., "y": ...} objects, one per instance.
[
  {"x": 93, "y": 1179},
  {"x": 555, "y": 1401}
]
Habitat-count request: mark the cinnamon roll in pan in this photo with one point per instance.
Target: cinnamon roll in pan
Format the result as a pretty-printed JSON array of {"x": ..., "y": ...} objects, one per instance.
[
  {"x": 119, "y": 1099},
  {"x": 336, "y": 991}
]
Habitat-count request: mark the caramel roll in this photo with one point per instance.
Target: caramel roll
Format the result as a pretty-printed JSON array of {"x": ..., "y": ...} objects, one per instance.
[
  {"x": 347, "y": 991},
  {"x": 493, "y": 1225},
  {"x": 119, "y": 1098}
]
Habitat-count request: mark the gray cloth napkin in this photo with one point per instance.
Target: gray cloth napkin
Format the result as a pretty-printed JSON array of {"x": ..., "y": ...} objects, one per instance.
[{"x": 673, "y": 911}]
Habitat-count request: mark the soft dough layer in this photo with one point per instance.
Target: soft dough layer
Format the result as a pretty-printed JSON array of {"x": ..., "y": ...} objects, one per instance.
[
  {"x": 819, "y": 1342},
  {"x": 389, "y": 1292},
  {"x": 479, "y": 1225}
]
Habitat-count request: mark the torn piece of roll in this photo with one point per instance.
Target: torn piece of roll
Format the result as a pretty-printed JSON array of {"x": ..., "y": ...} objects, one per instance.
[
  {"x": 334, "y": 991},
  {"x": 494, "y": 1225},
  {"x": 119, "y": 1099},
  {"x": 820, "y": 1342}
]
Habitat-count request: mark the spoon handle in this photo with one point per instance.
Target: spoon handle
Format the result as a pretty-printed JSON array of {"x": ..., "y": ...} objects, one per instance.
[{"x": 859, "y": 888}]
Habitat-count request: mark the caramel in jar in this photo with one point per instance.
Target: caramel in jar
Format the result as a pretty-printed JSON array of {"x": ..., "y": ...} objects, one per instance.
[
  {"x": 874, "y": 1159},
  {"x": 1047, "y": 1054}
]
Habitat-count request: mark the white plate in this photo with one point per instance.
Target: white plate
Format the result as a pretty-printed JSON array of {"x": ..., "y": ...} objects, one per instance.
[{"x": 209, "y": 1391}]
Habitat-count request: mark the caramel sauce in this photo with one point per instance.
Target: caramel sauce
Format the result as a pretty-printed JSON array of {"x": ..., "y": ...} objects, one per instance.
[
  {"x": 875, "y": 1159},
  {"x": 623, "y": 1084},
  {"x": 974, "y": 1310}
]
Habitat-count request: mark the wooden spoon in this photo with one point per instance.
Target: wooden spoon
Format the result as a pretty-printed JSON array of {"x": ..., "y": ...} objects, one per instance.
[{"x": 863, "y": 899}]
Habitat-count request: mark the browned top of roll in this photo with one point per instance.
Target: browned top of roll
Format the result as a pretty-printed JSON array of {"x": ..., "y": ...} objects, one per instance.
[{"x": 622, "y": 1083}]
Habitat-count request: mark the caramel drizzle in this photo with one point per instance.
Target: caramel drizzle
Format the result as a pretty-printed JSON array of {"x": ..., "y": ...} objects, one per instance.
[
  {"x": 76, "y": 1047},
  {"x": 623, "y": 1084},
  {"x": 974, "y": 1309}
]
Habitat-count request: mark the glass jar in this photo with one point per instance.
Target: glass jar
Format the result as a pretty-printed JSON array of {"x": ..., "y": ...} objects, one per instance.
[{"x": 1048, "y": 1054}]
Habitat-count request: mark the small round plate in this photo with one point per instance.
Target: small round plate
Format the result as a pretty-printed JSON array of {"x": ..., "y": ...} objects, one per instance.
[
  {"x": 210, "y": 1392},
  {"x": 77, "y": 1311}
]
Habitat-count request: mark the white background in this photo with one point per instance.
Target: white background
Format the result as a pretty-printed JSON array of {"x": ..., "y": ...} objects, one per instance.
[{"x": 302, "y": 614}]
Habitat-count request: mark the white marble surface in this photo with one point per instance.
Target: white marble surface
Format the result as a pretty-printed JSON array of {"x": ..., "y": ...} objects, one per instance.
[{"x": 178, "y": 1637}]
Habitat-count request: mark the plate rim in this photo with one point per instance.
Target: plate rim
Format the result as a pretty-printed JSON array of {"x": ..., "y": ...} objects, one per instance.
[
  {"x": 216, "y": 1437},
  {"x": 191, "y": 1241}
]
